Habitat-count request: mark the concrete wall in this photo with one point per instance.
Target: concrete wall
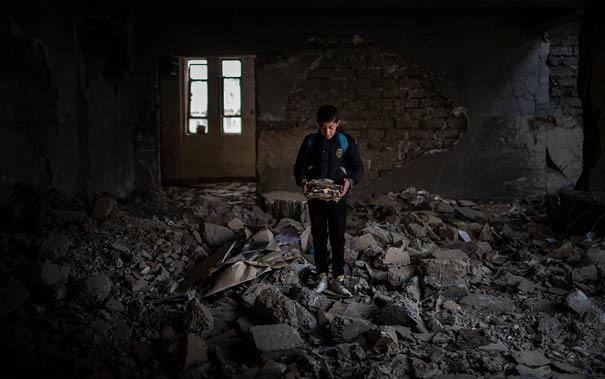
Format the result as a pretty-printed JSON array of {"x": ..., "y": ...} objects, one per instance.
[
  {"x": 508, "y": 87},
  {"x": 462, "y": 102},
  {"x": 66, "y": 97}
]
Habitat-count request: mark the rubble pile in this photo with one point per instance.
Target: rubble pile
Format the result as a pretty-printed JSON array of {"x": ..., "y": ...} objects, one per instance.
[{"x": 202, "y": 282}]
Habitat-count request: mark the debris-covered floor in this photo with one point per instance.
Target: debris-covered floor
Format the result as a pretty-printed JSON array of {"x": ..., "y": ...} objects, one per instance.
[{"x": 190, "y": 283}]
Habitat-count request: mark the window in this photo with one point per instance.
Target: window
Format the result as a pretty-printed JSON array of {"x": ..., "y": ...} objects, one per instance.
[
  {"x": 213, "y": 85},
  {"x": 231, "y": 72},
  {"x": 198, "y": 96}
]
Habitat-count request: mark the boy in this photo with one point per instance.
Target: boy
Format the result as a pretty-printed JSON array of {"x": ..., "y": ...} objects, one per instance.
[{"x": 332, "y": 154}]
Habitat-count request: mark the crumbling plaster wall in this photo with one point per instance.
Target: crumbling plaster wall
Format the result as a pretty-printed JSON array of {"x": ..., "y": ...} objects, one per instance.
[
  {"x": 524, "y": 132},
  {"x": 65, "y": 119}
]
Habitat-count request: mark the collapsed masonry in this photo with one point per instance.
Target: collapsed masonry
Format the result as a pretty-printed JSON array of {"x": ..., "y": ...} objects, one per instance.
[{"x": 441, "y": 287}]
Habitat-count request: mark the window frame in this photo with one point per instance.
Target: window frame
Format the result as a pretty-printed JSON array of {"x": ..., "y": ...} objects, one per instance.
[{"x": 215, "y": 88}]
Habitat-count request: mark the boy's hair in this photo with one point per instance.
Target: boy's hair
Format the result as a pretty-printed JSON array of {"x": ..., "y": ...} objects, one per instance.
[{"x": 327, "y": 113}]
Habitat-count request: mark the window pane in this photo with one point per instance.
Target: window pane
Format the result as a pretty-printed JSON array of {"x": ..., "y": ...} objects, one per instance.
[
  {"x": 197, "y": 61},
  {"x": 199, "y": 99},
  {"x": 232, "y": 68},
  {"x": 198, "y": 71},
  {"x": 198, "y": 126},
  {"x": 232, "y": 125},
  {"x": 232, "y": 97}
]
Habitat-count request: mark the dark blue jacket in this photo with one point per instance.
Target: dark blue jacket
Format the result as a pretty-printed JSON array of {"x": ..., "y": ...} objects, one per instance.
[{"x": 321, "y": 158}]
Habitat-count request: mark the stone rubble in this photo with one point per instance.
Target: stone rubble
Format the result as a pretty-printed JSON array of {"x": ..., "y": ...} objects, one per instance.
[{"x": 442, "y": 288}]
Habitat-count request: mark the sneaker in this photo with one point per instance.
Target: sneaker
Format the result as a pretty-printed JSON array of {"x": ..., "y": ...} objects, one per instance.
[
  {"x": 338, "y": 288},
  {"x": 322, "y": 285}
]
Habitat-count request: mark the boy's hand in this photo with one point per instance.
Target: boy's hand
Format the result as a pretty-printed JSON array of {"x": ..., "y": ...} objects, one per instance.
[
  {"x": 305, "y": 188},
  {"x": 345, "y": 188}
]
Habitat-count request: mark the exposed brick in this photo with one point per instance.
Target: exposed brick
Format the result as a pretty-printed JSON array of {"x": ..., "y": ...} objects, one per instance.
[
  {"x": 407, "y": 123},
  {"x": 384, "y": 83},
  {"x": 393, "y": 93},
  {"x": 561, "y": 50},
  {"x": 456, "y": 122},
  {"x": 415, "y": 113},
  {"x": 414, "y": 93},
  {"x": 447, "y": 133},
  {"x": 440, "y": 112},
  {"x": 379, "y": 103},
  {"x": 432, "y": 123},
  {"x": 562, "y": 71},
  {"x": 418, "y": 134},
  {"x": 412, "y": 103}
]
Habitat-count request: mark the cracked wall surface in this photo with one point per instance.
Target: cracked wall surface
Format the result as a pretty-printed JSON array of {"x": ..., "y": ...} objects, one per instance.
[{"x": 66, "y": 97}]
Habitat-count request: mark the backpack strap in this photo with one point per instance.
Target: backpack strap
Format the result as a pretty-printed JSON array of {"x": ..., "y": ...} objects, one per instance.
[{"x": 344, "y": 143}]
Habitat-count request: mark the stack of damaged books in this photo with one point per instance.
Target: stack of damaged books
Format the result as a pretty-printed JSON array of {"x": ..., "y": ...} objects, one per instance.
[{"x": 323, "y": 189}]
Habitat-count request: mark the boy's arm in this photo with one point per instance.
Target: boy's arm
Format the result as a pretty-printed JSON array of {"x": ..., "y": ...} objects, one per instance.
[
  {"x": 354, "y": 162},
  {"x": 302, "y": 162}
]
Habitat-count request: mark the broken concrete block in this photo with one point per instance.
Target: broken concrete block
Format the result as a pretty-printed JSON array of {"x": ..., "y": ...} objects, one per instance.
[
  {"x": 447, "y": 274},
  {"x": 284, "y": 279},
  {"x": 395, "y": 277},
  {"x": 56, "y": 244},
  {"x": 595, "y": 256},
  {"x": 277, "y": 308},
  {"x": 52, "y": 274},
  {"x": 488, "y": 303},
  {"x": 401, "y": 311},
  {"x": 197, "y": 351},
  {"x": 538, "y": 372},
  {"x": 94, "y": 290},
  {"x": 250, "y": 295},
  {"x": 284, "y": 204},
  {"x": 103, "y": 207},
  {"x": 532, "y": 358},
  {"x": 275, "y": 338},
  {"x": 308, "y": 298},
  {"x": 348, "y": 329},
  {"x": 236, "y": 224},
  {"x": 199, "y": 320},
  {"x": 217, "y": 235},
  {"x": 362, "y": 242},
  {"x": 578, "y": 302},
  {"x": 444, "y": 207},
  {"x": 385, "y": 341},
  {"x": 416, "y": 230},
  {"x": 448, "y": 232},
  {"x": 395, "y": 257},
  {"x": 585, "y": 274},
  {"x": 470, "y": 214}
]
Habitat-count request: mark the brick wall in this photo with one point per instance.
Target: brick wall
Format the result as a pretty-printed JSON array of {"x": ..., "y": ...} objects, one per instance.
[
  {"x": 387, "y": 104},
  {"x": 563, "y": 64}
]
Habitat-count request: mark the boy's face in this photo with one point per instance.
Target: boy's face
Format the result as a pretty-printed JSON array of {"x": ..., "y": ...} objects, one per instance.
[{"x": 328, "y": 129}]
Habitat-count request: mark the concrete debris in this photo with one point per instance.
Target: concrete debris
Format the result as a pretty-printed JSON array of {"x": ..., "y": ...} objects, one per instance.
[
  {"x": 197, "y": 351},
  {"x": 274, "y": 306},
  {"x": 532, "y": 358},
  {"x": 213, "y": 281},
  {"x": 94, "y": 290},
  {"x": 282, "y": 204},
  {"x": 275, "y": 338},
  {"x": 348, "y": 329},
  {"x": 217, "y": 235},
  {"x": 200, "y": 320},
  {"x": 578, "y": 302}
]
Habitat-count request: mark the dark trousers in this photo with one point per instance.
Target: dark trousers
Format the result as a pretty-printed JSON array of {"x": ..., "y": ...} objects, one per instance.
[{"x": 328, "y": 219}]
